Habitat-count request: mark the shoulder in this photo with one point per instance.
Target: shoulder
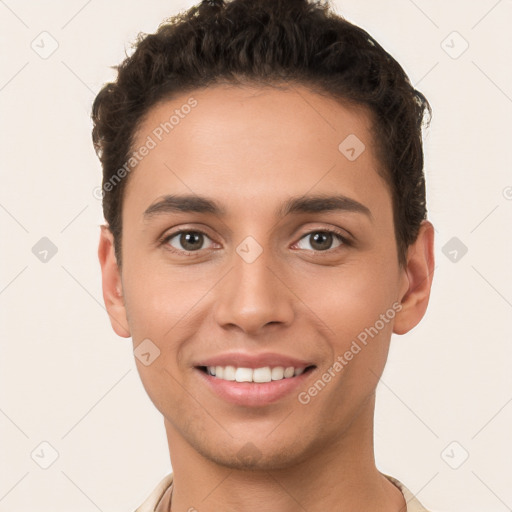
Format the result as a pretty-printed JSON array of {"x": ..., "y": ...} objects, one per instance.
[
  {"x": 156, "y": 495},
  {"x": 151, "y": 502},
  {"x": 413, "y": 505}
]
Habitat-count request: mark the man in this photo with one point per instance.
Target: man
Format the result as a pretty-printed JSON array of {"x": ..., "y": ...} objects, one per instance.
[{"x": 266, "y": 234}]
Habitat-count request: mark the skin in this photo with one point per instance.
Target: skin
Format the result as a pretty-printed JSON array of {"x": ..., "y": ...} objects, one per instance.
[{"x": 250, "y": 149}]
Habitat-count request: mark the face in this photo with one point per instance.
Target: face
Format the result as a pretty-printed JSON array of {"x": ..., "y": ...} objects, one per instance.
[{"x": 251, "y": 271}]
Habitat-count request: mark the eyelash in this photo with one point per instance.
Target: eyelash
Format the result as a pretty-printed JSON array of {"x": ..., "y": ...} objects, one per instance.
[{"x": 166, "y": 238}]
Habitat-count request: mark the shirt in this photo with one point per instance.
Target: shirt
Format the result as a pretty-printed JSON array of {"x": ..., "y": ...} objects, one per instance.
[{"x": 151, "y": 503}]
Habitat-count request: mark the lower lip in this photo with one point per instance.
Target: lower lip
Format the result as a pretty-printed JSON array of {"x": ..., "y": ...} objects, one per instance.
[{"x": 253, "y": 394}]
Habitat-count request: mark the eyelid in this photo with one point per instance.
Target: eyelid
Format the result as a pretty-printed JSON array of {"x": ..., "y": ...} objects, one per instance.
[
  {"x": 344, "y": 240},
  {"x": 166, "y": 237},
  {"x": 341, "y": 234},
  {"x": 345, "y": 235}
]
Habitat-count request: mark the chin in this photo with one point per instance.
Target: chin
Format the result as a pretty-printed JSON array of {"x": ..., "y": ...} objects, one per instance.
[{"x": 249, "y": 456}]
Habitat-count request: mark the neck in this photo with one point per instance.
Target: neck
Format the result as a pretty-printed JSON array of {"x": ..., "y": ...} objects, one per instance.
[{"x": 339, "y": 476}]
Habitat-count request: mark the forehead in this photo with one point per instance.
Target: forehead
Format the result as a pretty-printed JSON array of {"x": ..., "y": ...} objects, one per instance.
[{"x": 261, "y": 142}]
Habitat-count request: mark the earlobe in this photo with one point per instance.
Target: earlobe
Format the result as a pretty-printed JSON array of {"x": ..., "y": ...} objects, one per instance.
[
  {"x": 112, "y": 284},
  {"x": 417, "y": 274}
]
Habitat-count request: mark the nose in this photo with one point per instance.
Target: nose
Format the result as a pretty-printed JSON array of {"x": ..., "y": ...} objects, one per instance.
[{"x": 254, "y": 295}]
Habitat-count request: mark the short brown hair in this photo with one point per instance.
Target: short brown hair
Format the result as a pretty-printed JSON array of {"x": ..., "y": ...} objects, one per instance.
[{"x": 267, "y": 42}]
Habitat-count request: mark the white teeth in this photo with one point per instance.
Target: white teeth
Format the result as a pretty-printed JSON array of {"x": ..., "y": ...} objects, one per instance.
[
  {"x": 277, "y": 373},
  {"x": 243, "y": 375},
  {"x": 229, "y": 373},
  {"x": 288, "y": 372},
  {"x": 264, "y": 374}
]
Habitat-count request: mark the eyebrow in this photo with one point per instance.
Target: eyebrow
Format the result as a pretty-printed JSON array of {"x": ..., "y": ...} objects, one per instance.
[{"x": 295, "y": 205}]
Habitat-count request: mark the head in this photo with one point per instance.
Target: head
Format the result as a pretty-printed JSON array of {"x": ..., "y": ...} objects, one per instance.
[{"x": 280, "y": 121}]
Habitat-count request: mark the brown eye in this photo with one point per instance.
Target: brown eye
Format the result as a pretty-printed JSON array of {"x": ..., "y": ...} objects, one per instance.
[
  {"x": 186, "y": 241},
  {"x": 321, "y": 240}
]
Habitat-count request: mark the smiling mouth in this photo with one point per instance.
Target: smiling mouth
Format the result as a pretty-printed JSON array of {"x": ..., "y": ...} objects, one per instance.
[{"x": 256, "y": 375}]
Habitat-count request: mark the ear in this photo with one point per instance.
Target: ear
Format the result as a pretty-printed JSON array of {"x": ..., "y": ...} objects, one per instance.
[
  {"x": 417, "y": 280},
  {"x": 112, "y": 284}
]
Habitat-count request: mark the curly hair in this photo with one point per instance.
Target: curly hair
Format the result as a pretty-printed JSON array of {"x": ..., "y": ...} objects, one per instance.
[{"x": 267, "y": 43}]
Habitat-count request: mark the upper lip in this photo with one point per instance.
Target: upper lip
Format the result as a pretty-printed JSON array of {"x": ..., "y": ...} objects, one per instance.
[{"x": 245, "y": 360}]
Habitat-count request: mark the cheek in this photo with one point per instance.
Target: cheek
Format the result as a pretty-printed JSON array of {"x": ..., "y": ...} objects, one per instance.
[
  {"x": 357, "y": 306},
  {"x": 350, "y": 298},
  {"x": 165, "y": 303},
  {"x": 158, "y": 308}
]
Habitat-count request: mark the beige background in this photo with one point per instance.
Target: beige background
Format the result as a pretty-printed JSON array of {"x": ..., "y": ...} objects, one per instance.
[{"x": 66, "y": 379}]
